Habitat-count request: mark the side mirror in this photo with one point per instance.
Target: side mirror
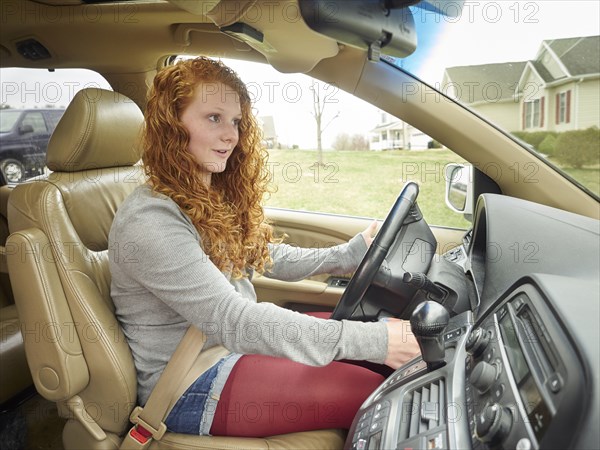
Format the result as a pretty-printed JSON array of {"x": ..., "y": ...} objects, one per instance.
[
  {"x": 459, "y": 188},
  {"x": 24, "y": 129}
]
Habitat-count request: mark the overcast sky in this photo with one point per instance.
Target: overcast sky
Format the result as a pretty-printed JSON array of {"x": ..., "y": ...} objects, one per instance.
[{"x": 485, "y": 32}]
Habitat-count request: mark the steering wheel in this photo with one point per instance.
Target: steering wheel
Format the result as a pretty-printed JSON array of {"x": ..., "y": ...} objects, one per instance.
[{"x": 368, "y": 267}]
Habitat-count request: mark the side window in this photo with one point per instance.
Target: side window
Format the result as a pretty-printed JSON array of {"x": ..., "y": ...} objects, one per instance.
[
  {"x": 331, "y": 152},
  {"x": 40, "y": 98},
  {"x": 36, "y": 121},
  {"x": 52, "y": 118}
]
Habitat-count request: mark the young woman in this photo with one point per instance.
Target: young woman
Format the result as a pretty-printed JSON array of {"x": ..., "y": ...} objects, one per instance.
[{"x": 194, "y": 235}]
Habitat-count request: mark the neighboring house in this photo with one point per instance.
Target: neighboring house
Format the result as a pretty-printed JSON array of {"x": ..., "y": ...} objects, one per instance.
[
  {"x": 267, "y": 124},
  {"x": 557, "y": 91},
  {"x": 393, "y": 134},
  {"x": 565, "y": 77},
  {"x": 490, "y": 89}
]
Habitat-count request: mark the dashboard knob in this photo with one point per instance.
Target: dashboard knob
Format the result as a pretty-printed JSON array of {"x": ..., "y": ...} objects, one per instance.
[
  {"x": 477, "y": 342},
  {"x": 493, "y": 424},
  {"x": 483, "y": 376}
]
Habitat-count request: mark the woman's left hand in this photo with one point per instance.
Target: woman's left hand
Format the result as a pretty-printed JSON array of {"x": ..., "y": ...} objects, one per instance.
[{"x": 370, "y": 233}]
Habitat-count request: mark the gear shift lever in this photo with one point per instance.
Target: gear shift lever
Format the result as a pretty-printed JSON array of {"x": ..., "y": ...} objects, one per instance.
[{"x": 428, "y": 321}]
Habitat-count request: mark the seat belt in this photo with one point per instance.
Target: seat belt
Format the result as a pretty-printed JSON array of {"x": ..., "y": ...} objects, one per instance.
[{"x": 148, "y": 421}]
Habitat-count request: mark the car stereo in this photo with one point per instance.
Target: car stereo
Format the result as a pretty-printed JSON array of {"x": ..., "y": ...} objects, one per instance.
[
  {"x": 516, "y": 376},
  {"x": 511, "y": 380}
]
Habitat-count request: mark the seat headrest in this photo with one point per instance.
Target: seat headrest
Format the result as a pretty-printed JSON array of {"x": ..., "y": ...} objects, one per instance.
[{"x": 99, "y": 129}]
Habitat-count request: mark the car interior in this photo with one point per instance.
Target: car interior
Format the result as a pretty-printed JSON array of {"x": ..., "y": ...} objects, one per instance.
[{"x": 510, "y": 345}]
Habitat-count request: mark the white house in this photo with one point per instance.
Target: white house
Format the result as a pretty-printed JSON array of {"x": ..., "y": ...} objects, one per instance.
[
  {"x": 394, "y": 134},
  {"x": 557, "y": 91},
  {"x": 490, "y": 89},
  {"x": 560, "y": 89}
]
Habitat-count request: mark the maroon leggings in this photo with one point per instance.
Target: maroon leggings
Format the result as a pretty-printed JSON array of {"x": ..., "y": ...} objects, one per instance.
[{"x": 266, "y": 396}]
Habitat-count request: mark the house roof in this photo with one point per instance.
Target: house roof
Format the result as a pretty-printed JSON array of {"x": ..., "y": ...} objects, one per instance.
[
  {"x": 396, "y": 125},
  {"x": 581, "y": 56},
  {"x": 542, "y": 71},
  {"x": 475, "y": 80}
]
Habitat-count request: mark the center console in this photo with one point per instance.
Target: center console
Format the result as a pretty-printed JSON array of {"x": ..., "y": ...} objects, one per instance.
[{"x": 511, "y": 380}]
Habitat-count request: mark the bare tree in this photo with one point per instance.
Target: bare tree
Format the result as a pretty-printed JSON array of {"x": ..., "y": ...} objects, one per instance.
[{"x": 318, "y": 111}]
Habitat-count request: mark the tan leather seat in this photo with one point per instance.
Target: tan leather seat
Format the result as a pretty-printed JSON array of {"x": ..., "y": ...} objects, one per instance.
[
  {"x": 14, "y": 372},
  {"x": 78, "y": 355}
]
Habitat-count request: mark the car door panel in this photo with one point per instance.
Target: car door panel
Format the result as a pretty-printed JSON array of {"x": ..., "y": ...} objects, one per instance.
[{"x": 309, "y": 229}]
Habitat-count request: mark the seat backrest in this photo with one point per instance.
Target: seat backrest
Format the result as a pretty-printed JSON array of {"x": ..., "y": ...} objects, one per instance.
[
  {"x": 58, "y": 261},
  {"x": 14, "y": 372},
  {"x": 6, "y": 297}
]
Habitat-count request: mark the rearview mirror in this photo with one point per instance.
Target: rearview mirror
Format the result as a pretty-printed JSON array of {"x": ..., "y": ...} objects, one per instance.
[
  {"x": 459, "y": 188},
  {"x": 364, "y": 24}
]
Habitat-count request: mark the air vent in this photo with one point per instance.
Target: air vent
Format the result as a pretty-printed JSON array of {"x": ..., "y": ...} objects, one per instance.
[
  {"x": 32, "y": 49},
  {"x": 422, "y": 409}
]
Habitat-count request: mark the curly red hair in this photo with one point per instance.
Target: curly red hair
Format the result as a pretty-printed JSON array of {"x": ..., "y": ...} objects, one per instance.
[{"x": 227, "y": 214}]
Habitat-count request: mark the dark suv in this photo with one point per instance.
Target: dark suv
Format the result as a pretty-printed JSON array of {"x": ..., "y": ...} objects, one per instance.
[{"x": 24, "y": 136}]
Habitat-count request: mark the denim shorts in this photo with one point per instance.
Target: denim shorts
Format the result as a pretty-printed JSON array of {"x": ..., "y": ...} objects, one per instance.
[{"x": 195, "y": 410}]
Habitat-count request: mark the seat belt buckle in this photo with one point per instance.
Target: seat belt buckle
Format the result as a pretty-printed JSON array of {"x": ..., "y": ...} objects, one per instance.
[
  {"x": 143, "y": 430},
  {"x": 140, "y": 434}
]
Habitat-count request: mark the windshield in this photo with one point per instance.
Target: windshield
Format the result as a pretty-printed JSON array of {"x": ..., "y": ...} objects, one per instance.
[
  {"x": 8, "y": 120},
  {"x": 530, "y": 68}
]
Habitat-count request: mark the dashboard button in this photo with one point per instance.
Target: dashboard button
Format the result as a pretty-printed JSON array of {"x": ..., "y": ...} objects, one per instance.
[
  {"x": 517, "y": 303},
  {"x": 362, "y": 434},
  {"x": 477, "y": 342},
  {"x": 493, "y": 424},
  {"x": 501, "y": 313},
  {"x": 361, "y": 444},
  {"x": 367, "y": 413},
  {"x": 523, "y": 444},
  {"x": 483, "y": 376},
  {"x": 498, "y": 366},
  {"x": 555, "y": 382},
  {"x": 379, "y": 406},
  {"x": 381, "y": 414},
  {"x": 363, "y": 424},
  {"x": 376, "y": 426},
  {"x": 498, "y": 392}
]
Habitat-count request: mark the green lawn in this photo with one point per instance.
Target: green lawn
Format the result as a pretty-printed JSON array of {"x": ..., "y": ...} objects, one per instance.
[
  {"x": 361, "y": 183},
  {"x": 587, "y": 176}
]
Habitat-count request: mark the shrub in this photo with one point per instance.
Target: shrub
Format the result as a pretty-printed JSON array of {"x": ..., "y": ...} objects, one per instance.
[
  {"x": 344, "y": 141},
  {"x": 359, "y": 142},
  {"x": 341, "y": 141},
  {"x": 548, "y": 145},
  {"x": 578, "y": 148},
  {"x": 534, "y": 138}
]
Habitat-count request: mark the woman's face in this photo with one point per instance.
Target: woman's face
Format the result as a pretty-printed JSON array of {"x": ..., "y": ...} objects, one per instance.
[{"x": 212, "y": 119}]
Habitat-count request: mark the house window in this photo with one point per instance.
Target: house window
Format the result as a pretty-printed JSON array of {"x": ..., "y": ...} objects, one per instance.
[
  {"x": 384, "y": 135},
  {"x": 563, "y": 106},
  {"x": 532, "y": 114}
]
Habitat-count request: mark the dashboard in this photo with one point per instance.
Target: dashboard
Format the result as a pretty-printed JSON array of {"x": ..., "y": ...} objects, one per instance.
[{"x": 522, "y": 367}]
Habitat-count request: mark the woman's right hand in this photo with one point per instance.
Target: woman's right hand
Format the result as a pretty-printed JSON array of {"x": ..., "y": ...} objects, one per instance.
[{"x": 402, "y": 344}]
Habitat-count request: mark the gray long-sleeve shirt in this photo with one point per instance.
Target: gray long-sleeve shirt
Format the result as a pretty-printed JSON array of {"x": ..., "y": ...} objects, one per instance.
[{"x": 162, "y": 281}]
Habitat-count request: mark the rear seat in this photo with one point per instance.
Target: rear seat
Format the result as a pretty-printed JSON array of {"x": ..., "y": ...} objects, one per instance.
[{"x": 14, "y": 372}]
